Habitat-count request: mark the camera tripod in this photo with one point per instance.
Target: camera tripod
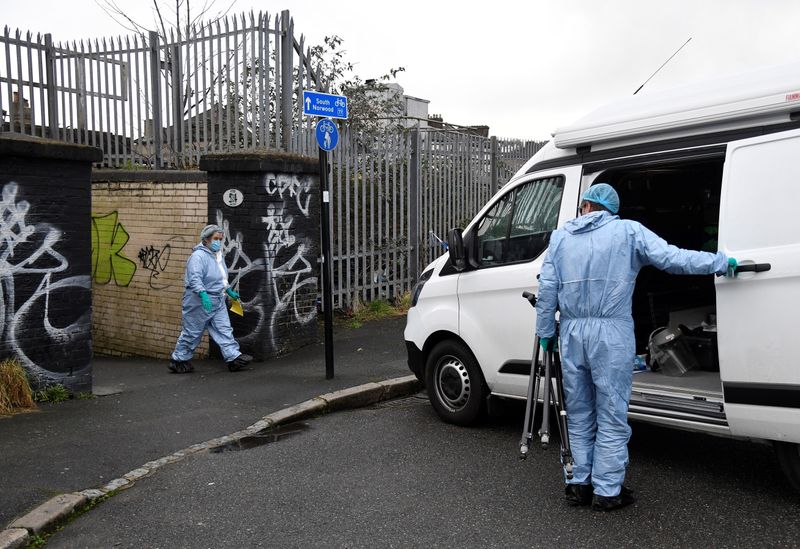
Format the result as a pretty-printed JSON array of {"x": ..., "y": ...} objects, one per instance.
[{"x": 552, "y": 394}]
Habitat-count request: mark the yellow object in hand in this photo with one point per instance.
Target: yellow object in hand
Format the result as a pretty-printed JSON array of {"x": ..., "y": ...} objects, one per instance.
[{"x": 236, "y": 307}]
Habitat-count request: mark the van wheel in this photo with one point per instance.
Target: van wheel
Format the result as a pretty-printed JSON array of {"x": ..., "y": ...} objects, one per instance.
[
  {"x": 455, "y": 383},
  {"x": 789, "y": 457}
]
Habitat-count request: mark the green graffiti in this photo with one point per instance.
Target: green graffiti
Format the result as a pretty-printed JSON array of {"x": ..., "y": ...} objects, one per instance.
[{"x": 108, "y": 239}]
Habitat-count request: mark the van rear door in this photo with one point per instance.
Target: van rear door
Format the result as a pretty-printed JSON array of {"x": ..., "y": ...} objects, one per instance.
[{"x": 759, "y": 309}]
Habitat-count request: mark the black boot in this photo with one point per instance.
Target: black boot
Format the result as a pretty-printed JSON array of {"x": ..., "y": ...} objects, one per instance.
[
  {"x": 180, "y": 367},
  {"x": 605, "y": 503},
  {"x": 239, "y": 362},
  {"x": 578, "y": 494}
]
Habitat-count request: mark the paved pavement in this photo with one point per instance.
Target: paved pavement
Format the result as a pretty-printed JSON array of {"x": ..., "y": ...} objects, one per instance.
[
  {"x": 394, "y": 475},
  {"x": 147, "y": 413}
]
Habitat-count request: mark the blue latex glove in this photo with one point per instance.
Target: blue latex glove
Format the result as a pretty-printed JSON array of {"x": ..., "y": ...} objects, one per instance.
[
  {"x": 207, "y": 305},
  {"x": 545, "y": 342},
  {"x": 732, "y": 264},
  {"x": 233, "y": 295}
]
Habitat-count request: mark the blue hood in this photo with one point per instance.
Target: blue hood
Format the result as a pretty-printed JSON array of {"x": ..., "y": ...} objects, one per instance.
[{"x": 589, "y": 222}]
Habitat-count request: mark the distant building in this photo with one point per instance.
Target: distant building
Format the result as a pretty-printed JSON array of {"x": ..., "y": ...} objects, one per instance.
[
  {"x": 436, "y": 121},
  {"x": 415, "y": 112}
]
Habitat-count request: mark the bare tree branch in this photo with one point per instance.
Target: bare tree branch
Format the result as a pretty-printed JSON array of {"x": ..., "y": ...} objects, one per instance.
[
  {"x": 161, "y": 20},
  {"x": 115, "y": 12}
]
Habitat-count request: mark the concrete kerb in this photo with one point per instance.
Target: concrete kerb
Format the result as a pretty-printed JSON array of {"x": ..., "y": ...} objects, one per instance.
[
  {"x": 46, "y": 516},
  {"x": 13, "y": 538}
]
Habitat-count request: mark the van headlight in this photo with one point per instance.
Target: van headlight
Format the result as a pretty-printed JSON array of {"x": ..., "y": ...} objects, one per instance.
[{"x": 424, "y": 277}]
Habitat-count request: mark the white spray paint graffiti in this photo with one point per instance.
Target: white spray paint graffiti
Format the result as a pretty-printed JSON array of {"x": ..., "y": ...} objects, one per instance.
[
  {"x": 291, "y": 186},
  {"x": 239, "y": 266},
  {"x": 290, "y": 276},
  {"x": 35, "y": 255}
]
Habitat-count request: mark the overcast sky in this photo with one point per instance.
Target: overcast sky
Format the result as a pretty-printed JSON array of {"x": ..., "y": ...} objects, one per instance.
[{"x": 521, "y": 67}]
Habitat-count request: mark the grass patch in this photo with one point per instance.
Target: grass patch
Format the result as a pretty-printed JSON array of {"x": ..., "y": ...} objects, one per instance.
[
  {"x": 37, "y": 541},
  {"x": 373, "y": 310},
  {"x": 403, "y": 303},
  {"x": 53, "y": 393},
  {"x": 15, "y": 391}
]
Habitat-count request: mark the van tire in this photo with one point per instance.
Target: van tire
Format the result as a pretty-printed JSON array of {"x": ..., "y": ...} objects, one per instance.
[
  {"x": 455, "y": 384},
  {"x": 789, "y": 458}
]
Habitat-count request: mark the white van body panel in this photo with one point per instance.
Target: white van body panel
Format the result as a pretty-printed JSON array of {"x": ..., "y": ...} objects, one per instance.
[
  {"x": 768, "y": 94},
  {"x": 496, "y": 293},
  {"x": 547, "y": 152},
  {"x": 757, "y": 313},
  {"x": 438, "y": 310},
  {"x": 763, "y": 422}
]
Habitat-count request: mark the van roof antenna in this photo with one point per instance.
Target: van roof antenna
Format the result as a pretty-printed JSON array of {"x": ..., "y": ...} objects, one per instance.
[{"x": 662, "y": 66}]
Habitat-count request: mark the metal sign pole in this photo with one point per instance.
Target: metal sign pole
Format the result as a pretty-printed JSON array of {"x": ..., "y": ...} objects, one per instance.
[
  {"x": 327, "y": 290},
  {"x": 327, "y": 106}
]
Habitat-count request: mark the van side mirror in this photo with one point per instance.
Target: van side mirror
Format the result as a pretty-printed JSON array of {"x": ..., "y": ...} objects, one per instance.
[{"x": 455, "y": 249}]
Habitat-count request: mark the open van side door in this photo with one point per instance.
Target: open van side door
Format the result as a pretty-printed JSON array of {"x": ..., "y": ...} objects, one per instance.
[{"x": 758, "y": 311}]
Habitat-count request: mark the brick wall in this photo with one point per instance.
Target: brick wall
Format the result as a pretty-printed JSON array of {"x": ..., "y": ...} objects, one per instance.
[
  {"x": 45, "y": 259},
  {"x": 144, "y": 226}
]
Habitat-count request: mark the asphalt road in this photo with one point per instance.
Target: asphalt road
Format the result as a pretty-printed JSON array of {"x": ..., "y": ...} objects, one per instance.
[
  {"x": 150, "y": 413},
  {"x": 395, "y": 476}
]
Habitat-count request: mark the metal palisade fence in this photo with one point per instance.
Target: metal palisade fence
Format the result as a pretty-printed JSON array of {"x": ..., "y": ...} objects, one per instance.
[
  {"x": 395, "y": 196},
  {"x": 157, "y": 101},
  {"x": 160, "y": 101}
]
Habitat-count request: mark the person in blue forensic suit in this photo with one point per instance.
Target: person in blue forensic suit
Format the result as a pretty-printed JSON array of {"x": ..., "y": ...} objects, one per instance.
[
  {"x": 205, "y": 287},
  {"x": 589, "y": 274}
]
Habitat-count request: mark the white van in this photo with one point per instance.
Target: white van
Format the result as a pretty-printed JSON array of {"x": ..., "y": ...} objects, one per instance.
[{"x": 708, "y": 166}]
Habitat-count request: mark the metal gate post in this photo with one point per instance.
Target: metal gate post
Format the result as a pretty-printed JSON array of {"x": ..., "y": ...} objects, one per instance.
[
  {"x": 494, "y": 164},
  {"x": 287, "y": 77},
  {"x": 413, "y": 206},
  {"x": 155, "y": 85},
  {"x": 80, "y": 74},
  {"x": 177, "y": 104},
  {"x": 52, "y": 99}
]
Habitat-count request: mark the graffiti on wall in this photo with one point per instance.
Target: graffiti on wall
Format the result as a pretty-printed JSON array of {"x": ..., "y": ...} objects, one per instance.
[
  {"x": 240, "y": 269},
  {"x": 48, "y": 340},
  {"x": 287, "y": 186},
  {"x": 108, "y": 262},
  {"x": 288, "y": 270},
  {"x": 156, "y": 260}
]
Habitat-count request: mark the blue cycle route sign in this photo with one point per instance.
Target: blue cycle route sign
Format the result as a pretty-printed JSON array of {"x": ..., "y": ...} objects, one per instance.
[
  {"x": 327, "y": 134},
  {"x": 324, "y": 104}
]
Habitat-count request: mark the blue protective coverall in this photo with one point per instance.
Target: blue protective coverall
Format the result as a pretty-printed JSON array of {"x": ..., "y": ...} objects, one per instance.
[
  {"x": 589, "y": 274},
  {"x": 203, "y": 274}
]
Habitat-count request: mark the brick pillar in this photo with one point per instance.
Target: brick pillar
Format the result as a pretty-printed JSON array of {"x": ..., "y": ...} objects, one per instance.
[
  {"x": 268, "y": 203},
  {"x": 46, "y": 259}
]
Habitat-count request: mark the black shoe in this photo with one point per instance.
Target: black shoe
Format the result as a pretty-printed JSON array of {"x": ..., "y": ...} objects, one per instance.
[
  {"x": 578, "y": 494},
  {"x": 180, "y": 367},
  {"x": 239, "y": 362},
  {"x": 605, "y": 503}
]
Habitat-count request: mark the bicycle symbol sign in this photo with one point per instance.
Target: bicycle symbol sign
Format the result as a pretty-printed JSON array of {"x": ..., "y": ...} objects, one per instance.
[{"x": 327, "y": 134}]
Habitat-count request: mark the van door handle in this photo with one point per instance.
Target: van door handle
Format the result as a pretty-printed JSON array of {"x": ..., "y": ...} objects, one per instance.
[{"x": 753, "y": 268}]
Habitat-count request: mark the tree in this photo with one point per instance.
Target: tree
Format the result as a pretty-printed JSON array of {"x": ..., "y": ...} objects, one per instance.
[
  {"x": 170, "y": 30},
  {"x": 373, "y": 105}
]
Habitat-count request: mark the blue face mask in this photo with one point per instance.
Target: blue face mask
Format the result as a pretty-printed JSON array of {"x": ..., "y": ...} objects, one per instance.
[{"x": 215, "y": 245}]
